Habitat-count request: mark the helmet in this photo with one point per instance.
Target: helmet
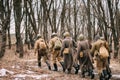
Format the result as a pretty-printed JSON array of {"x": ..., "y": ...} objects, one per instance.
[
  {"x": 38, "y": 36},
  {"x": 102, "y": 38},
  {"x": 54, "y": 34},
  {"x": 97, "y": 37},
  {"x": 66, "y": 34},
  {"x": 81, "y": 37}
]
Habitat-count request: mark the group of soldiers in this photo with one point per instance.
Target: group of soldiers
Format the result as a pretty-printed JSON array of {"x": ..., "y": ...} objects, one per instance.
[{"x": 78, "y": 55}]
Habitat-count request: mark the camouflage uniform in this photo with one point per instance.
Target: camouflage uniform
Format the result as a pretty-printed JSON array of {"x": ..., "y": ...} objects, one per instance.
[
  {"x": 101, "y": 64},
  {"x": 84, "y": 57},
  {"x": 55, "y": 53},
  {"x": 41, "y": 53},
  {"x": 68, "y": 43}
]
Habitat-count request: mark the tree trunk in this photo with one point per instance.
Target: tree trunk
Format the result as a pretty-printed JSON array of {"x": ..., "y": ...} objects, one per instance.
[
  {"x": 75, "y": 21},
  {"x": 9, "y": 38},
  {"x": 18, "y": 17},
  {"x": 89, "y": 22},
  {"x": 4, "y": 20},
  {"x": 113, "y": 28},
  {"x": 62, "y": 18}
]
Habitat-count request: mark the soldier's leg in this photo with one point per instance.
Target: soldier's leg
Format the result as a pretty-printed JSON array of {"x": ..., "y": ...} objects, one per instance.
[
  {"x": 90, "y": 68},
  {"x": 70, "y": 62},
  {"x": 65, "y": 62},
  {"x": 48, "y": 64},
  {"x": 83, "y": 70},
  {"x": 60, "y": 60},
  {"x": 91, "y": 73},
  {"x": 76, "y": 66},
  {"x": 54, "y": 62},
  {"x": 55, "y": 67},
  {"x": 69, "y": 70},
  {"x": 39, "y": 59},
  {"x": 99, "y": 66},
  {"x": 108, "y": 70},
  {"x": 81, "y": 67},
  {"x": 47, "y": 61},
  {"x": 62, "y": 64}
]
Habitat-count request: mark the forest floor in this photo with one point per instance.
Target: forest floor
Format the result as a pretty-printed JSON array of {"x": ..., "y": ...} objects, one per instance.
[{"x": 14, "y": 68}]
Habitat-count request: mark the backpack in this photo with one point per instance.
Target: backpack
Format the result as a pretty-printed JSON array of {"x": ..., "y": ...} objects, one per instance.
[
  {"x": 58, "y": 44},
  {"x": 42, "y": 45},
  {"x": 103, "y": 52}
]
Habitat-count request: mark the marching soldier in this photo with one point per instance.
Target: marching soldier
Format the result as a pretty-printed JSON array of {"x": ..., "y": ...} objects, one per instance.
[
  {"x": 67, "y": 51},
  {"x": 41, "y": 47},
  {"x": 54, "y": 47},
  {"x": 84, "y": 56},
  {"x": 100, "y": 51}
]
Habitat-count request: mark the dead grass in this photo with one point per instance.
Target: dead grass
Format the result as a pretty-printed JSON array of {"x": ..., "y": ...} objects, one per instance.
[{"x": 12, "y": 62}]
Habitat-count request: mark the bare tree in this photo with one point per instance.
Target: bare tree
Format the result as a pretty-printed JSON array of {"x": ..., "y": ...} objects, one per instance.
[
  {"x": 113, "y": 26},
  {"x": 5, "y": 13},
  {"x": 18, "y": 19},
  {"x": 63, "y": 17}
]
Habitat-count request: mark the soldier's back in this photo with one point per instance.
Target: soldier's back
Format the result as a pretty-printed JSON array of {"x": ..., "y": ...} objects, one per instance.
[{"x": 84, "y": 44}]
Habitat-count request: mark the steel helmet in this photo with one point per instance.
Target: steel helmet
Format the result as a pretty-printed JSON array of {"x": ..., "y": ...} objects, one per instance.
[
  {"x": 54, "y": 34},
  {"x": 81, "y": 37},
  {"x": 66, "y": 34}
]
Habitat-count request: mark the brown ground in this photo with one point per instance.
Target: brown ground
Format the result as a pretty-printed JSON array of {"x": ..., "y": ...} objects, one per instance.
[{"x": 26, "y": 69}]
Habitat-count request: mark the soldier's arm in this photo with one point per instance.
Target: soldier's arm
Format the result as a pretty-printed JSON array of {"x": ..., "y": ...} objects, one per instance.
[
  {"x": 50, "y": 45},
  {"x": 62, "y": 48},
  {"x": 90, "y": 45},
  {"x": 74, "y": 44},
  {"x": 92, "y": 51},
  {"x": 78, "y": 50},
  {"x": 107, "y": 46}
]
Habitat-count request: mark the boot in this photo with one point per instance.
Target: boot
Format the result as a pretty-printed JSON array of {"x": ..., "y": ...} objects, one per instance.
[
  {"x": 83, "y": 74},
  {"x": 101, "y": 77},
  {"x": 69, "y": 71},
  {"x": 39, "y": 64},
  {"x": 91, "y": 74},
  {"x": 109, "y": 73},
  {"x": 77, "y": 69},
  {"x": 62, "y": 64},
  {"x": 49, "y": 67},
  {"x": 88, "y": 70},
  {"x": 104, "y": 74},
  {"x": 55, "y": 67}
]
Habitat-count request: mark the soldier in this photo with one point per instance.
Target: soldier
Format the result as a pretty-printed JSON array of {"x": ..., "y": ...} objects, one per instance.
[
  {"x": 100, "y": 51},
  {"x": 67, "y": 51},
  {"x": 54, "y": 47},
  {"x": 41, "y": 48},
  {"x": 84, "y": 56}
]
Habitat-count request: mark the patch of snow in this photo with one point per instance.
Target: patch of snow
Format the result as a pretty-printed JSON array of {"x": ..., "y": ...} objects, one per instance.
[
  {"x": 31, "y": 60},
  {"x": 40, "y": 76},
  {"x": 18, "y": 67},
  {"x": 34, "y": 66},
  {"x": 116, "y": 76},
  {"x": 32, "y": 76},
  {"x": 29, "y": 72},
  {"x": 3, "y": 72},
  {"x": 20, "y": 75},
  {"x": 19, "y": 79}
]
